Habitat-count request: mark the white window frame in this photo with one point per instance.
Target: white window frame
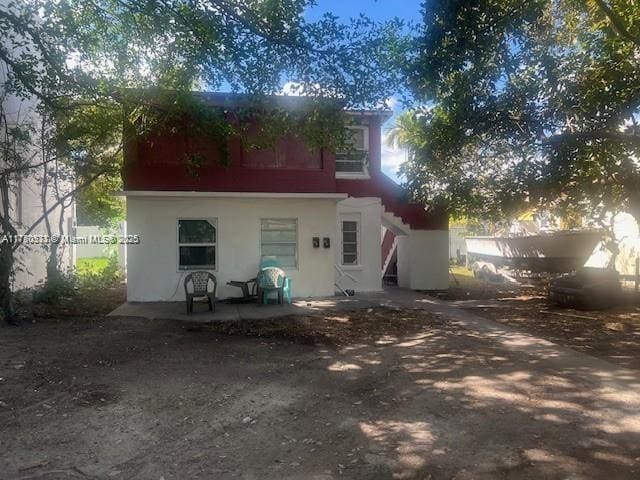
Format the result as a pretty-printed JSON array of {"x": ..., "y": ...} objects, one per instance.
[
  {"x": 364, "y": 173},
  {"x": 216, "y": 244},
  {"x": 342, "y": 252},
  {"x": 279, "y": 219}
]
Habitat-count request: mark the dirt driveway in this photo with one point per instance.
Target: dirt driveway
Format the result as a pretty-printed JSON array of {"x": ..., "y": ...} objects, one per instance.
[{"x": 369, "y": 395}]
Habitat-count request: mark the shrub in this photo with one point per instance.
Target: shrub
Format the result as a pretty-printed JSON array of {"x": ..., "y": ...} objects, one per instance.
[
  {"x": 91, "y": 273},
  {"x": 55, "y": 289}
]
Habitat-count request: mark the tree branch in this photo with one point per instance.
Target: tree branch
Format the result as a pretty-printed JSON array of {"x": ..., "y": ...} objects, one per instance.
[
  {"x": 229, "y": 11},
  {"x": 595, "y": 135},
  {"x": 18, "y": 71},
  {"x": 36, "y": 37},
  {"x": 59, "y": 201},
  {"x": 617, "y": 23}
]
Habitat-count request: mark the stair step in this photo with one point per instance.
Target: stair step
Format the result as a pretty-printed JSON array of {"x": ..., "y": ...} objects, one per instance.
[{"x": 410, "y": 213}]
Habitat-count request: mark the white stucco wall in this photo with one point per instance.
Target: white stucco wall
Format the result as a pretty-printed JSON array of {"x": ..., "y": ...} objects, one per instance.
[
  {"x": 152, "y": 266},
  {"x": 367, "y": 211},
  {"x": 404, "y": 268},
  {"x": 423, "y": 262},
  {"x": 26, "y": 199},
  {"x": 31, "y": 260},
  {"x": 90, "y": 250}
]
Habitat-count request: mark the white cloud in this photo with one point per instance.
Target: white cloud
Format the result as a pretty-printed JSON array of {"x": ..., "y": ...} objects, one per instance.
[
  {"x": 299, "y": 89},
  {"x": 292, "y": 88},
  {"x": 391, "y": 160},
  {"x": 392, "y": 103}
]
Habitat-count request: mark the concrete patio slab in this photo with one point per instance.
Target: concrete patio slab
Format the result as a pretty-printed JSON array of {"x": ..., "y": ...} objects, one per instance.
[{"x": 247, "y": 311}]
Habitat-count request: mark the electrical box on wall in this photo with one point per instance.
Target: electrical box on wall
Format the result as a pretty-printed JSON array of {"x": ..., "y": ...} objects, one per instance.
[
  {"x": 316, "y": 242},
  {"x": 326, "y": 242}
]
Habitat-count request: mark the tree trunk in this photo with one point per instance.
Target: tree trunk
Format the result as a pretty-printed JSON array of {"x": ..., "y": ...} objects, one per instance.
[
  {"x": 53, "y": 272},
  {"x": 629, "y": 179},
  {"x": 634, "y": 204},
  {"x": 6, "y": 255},
  {"x": 6, "y": 298},
  {"x": 52, "y": 249}
]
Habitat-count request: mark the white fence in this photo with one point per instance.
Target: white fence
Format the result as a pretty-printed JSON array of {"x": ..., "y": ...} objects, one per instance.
[
  {"x": 456, "y": 242},
  {"x": 92, "y": 249}
]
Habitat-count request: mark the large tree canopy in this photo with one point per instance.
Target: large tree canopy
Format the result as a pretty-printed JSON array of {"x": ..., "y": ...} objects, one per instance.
[
  {"x": 527, "y": 103},
  {"x": 255, "y": 46},
  {"x": 87, "y": 60},
  {"x": 94, "y": 68}
]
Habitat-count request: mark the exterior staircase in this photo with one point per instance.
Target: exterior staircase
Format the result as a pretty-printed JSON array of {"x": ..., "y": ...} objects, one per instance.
[
  {"x": 400, "y": 217},
  {"x": 395, "y": 201},
  {"x": 389, "y": 256},
  {"x": 413, "y": 214}
]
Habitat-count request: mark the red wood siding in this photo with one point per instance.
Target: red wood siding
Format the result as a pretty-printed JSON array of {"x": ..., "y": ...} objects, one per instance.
[
  {"x": 158, "y": 163},
  {"x": 288, "y": 153}
]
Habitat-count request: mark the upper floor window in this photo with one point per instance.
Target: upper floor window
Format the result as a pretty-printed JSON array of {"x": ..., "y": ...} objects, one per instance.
[
  {"x": 354, "y": 159},
  {"x": 197, "y": 242}
]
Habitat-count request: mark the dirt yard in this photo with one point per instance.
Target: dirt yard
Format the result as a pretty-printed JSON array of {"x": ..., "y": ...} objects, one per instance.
[
  {"x": 613, "y": 335},
  {"x": 365, "y": 395},
  {"x": 463, "y": 286}
]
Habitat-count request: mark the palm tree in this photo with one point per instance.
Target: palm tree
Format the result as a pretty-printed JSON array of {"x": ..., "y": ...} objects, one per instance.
[{"x": 405, "y": 129}]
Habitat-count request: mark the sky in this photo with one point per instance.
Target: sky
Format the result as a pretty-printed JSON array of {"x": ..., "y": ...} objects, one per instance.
[{"x": 377, "y": 10}]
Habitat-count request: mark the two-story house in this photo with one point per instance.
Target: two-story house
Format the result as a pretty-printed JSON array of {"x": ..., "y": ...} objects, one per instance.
[{"x": 321, "y": 214}]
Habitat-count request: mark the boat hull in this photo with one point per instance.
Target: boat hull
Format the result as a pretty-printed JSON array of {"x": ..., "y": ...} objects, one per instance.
[{"x": 553, "y": 253}]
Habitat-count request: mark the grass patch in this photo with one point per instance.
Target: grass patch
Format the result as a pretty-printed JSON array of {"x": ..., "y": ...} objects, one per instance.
[
  {"x": 91, "y": 266},
  {"x": 461, "y": 271}
]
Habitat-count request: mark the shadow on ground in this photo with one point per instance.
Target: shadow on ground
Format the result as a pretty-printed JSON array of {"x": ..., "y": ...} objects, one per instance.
[
  {"x": 382, "y": 393},
  {"x": 612, "y": 334}
]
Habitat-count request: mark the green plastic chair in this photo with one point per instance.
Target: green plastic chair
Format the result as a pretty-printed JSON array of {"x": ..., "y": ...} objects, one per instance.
[
  {"x": 270, "y": 280},
  {"x": 272, "y": 262}
]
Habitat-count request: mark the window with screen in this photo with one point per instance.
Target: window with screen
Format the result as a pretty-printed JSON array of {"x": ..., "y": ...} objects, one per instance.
[
  {"x": 354, "y": 158},
  {"x": 279, "y": 239},
  {"x": 197, "y": 242},
  {"x": 350, "y": 242}
]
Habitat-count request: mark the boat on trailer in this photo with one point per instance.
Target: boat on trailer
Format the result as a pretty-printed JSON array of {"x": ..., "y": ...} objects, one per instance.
[{"x": 556, "y": 252}]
